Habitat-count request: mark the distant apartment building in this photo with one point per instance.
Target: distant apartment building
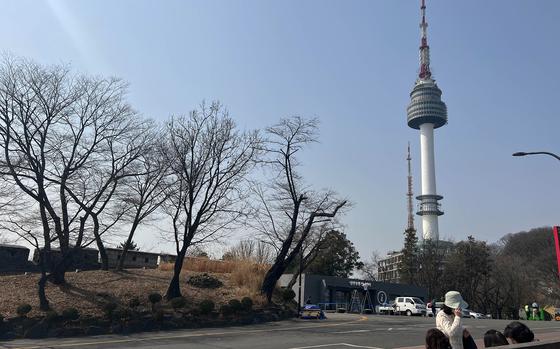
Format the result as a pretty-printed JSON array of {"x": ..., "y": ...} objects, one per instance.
[{"x": 388, "y": 268}]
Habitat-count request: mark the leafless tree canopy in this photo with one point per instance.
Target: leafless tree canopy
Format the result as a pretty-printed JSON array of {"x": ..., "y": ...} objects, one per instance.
[
  {"x": 65, "y": 140},
  {"x": 289, "y": 209},
  {"x": 209, "y": 161},
  {"x": 369, "y": 270},
  {"x": 250, "y": 250}
]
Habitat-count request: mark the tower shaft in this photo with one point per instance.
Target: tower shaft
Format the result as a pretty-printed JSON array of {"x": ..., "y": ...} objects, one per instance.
[{"x": 428, "y": 205}]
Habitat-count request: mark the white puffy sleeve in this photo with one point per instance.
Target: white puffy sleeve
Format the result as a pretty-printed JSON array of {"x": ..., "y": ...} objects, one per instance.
[{"x": 451, "y": 326}]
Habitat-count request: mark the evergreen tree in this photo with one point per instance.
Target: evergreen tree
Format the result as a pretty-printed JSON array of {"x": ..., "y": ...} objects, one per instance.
[
  {"x": 131, "y": 246},
  {"x": 408, "y": 268},
  {"x": 338, "y": 258}
]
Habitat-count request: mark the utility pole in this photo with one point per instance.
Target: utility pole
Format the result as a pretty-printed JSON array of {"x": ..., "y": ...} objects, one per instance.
[{"x": 299, "y": 283}]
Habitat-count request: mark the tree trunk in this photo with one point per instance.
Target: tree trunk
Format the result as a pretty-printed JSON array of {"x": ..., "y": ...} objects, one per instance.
[
  {"x": 43, "y": 301},
  {"x": 126, "y": 245},
  {"x": 275, "y": 272},
  {"x": 99, "y": 242},
  {"x": 174, "y": 289},
  {"x": 58, "y": 274},
  {"x": 270, "y": 280}
]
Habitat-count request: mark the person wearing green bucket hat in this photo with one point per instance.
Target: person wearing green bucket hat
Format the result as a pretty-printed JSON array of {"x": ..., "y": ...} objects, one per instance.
[{"x": 448, "y": 320}]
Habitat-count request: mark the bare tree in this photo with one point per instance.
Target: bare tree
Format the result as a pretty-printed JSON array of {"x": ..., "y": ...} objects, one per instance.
[
  {"x": 289, "y": 209},
  {"x": 110, "y": 167},
  {"x": 209, "y": 162},
  {"x": 252, "y": 250},
  {"x": 146, "y": 191},
  {"x": 54, "y": 129},
  {"x": 371, "y": 266}
]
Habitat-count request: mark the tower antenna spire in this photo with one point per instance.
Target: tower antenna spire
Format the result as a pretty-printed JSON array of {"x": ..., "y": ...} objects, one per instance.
[
  {"x": 425, "y": 73},
  {"x": 409, "y": 194}
]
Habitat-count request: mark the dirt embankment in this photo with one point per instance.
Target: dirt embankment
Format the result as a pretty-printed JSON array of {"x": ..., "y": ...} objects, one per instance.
[{"x": 87, "y": 291}]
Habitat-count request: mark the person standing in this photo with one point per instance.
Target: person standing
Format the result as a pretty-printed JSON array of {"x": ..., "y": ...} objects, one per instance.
[
  {"x": 448, "y": 319},
  {"x": 433, "y": 308}
]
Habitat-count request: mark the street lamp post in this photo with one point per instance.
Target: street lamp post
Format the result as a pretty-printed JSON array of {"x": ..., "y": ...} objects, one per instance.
[
  {"x": 521, "y": 153},
  {"x": 555, "y": 229}
]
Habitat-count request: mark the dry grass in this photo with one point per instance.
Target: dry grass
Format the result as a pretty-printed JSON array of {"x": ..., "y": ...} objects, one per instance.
[
  {"x": 88, "y": 290},
  {"x": 204, "y": 265},
  {"x": 245, "y": 274}
]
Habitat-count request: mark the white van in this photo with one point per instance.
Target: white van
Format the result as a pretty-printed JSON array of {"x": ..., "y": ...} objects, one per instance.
[{"x": 410, "y": 306}]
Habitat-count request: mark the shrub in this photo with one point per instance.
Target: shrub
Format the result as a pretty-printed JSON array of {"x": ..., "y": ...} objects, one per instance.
[
  {"x": 226, "y": 310},
  {"x": 121, "y": 313},
  {"x": 23, "y": 309},
  {"x": 288, "y": 294},
  {"x": 179, "y": 302},
  {"x": 51, "y": 316},
  {"x": 109, "y": 308},
  {"x": 70, "y": 314},
  {"x": 235, "y": 305},
  {"x": 154, "y": 298},
  {"x": 134, "y": 302},
  {"x": 206, "y": 306},
  {"x": 158, "y": 315},
  {"x": 247, "y": 303},
  {"x": 205, "y": 281}
]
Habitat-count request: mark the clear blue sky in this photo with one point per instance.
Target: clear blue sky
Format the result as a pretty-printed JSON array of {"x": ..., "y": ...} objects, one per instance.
[{"x": 352, "y": 64}]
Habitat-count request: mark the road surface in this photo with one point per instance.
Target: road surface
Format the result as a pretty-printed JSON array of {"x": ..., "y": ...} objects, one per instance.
[{"x": 339, "y": 331}]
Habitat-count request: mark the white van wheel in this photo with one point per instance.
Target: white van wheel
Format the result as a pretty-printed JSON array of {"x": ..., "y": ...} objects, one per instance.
[{"x": 408, "y": 313}]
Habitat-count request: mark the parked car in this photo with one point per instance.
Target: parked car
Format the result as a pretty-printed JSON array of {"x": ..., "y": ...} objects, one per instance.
[
  {"x": 387, "y": 308},
  {"x": 410, "y": 306},
  {"x": 475, "y": 315}
]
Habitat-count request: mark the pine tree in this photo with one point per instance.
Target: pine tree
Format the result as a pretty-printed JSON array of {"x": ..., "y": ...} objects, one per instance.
[{"x": 409, "y": 264}]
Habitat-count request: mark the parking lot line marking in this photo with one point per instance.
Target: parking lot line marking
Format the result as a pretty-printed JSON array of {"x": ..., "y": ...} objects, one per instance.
[
  {"x": 336, "y": 344},
  {"x": 352, "y": 331},
  {"x": 188, "y": 335}
]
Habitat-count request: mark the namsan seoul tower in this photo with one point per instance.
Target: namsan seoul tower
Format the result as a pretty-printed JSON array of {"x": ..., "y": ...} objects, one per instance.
[{"x": 427, "y": 112}]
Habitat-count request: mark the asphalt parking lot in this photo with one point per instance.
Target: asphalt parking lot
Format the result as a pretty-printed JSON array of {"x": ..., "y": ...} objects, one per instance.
[{"x": 337, "y": 332}]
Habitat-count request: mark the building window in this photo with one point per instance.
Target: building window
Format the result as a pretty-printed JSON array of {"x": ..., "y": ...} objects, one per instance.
[
  {"x": 146, "y": 260},
  {"x": 134, "y": 258}
]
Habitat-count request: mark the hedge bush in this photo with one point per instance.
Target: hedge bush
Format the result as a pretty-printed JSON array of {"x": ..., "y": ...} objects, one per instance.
[
  {"x": 226, "y": 310},
  {"x": 51, "y": 316},
  {"x": 206, "y": 306},
  {"x": 70, "y": 314},
  {"x": 109, "y": 308},
  {"x": 247, "y": 303},
  {"x": 235, "y": 305},
  {"x": 134, "y": 302},
  {"x": 158, "y": 315},
  {"x": 178, "y": 302},
  {"x": 155, "y": 297},
  {"x": 23, "y": 309}
]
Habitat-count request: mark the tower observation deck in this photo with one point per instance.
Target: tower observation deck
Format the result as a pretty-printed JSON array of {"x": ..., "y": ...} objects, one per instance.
[{"x": 427, "y": 112}]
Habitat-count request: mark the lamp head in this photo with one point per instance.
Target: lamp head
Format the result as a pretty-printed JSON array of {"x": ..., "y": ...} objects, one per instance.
[{"x": 519, "y": 153}]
